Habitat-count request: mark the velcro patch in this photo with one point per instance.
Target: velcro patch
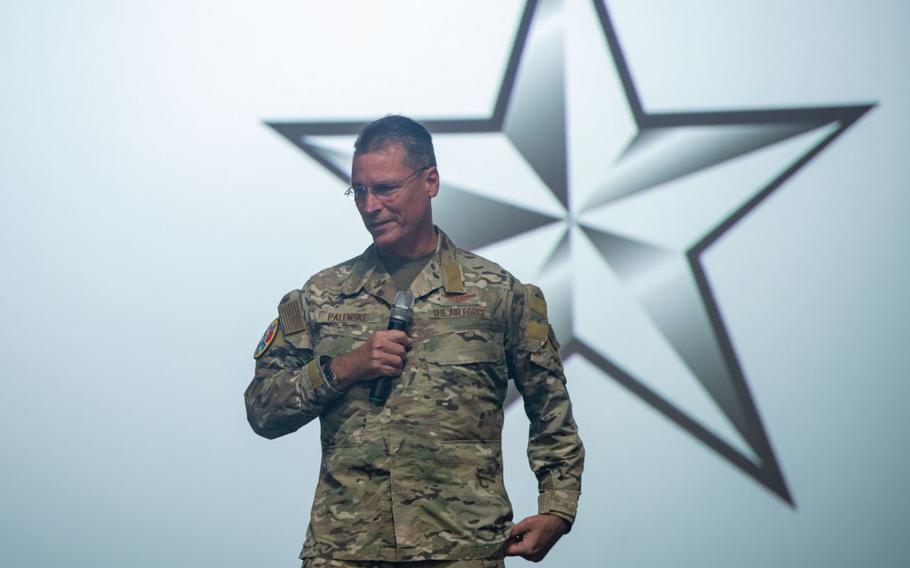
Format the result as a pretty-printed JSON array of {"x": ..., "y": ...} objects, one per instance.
[
  {"x": 459, "y": 312},
  {"x": 313, "y": 374},
  {"x": 270, "y": 332},
  {"x": 345, "y": 316},
  {"x": 454, "y": 279},
  {"x": 538, "y": 305},
  {"x": 290, "y": 313},
  {"x": 537, "y": 331}
]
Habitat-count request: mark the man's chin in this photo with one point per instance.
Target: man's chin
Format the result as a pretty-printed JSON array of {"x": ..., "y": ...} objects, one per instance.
[{"x": 384, "y": 237}]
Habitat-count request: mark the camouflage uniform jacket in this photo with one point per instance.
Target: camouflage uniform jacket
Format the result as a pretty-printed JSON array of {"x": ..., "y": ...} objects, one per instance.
[{"x": 420, "y": 477}]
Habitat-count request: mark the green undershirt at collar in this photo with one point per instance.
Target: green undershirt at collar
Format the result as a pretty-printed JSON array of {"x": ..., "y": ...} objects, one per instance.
[{"x": 403, "y": 269}]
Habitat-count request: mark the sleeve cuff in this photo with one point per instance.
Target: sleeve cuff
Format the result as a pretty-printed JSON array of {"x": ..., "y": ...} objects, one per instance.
[
  {"x": 314, "y": 381},
  {"x": 562, "y": 503},
  {"x": 329, "y": 376}
]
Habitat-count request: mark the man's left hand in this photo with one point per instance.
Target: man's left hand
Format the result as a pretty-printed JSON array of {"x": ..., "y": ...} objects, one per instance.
[{"x": 533, "y": 537}]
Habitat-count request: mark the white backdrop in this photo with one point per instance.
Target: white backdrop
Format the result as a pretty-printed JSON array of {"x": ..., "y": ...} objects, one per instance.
[{"x": 151, "y": 222}]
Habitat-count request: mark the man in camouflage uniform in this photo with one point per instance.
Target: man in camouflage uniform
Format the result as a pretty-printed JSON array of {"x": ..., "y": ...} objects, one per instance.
[{"x": 417, "y": 481}]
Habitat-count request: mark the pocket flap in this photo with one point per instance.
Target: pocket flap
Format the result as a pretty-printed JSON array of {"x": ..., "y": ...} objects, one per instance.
[{"x": 463, "y": 347}]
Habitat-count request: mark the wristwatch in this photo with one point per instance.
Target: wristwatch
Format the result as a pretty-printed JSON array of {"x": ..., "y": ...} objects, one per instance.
[{"x": 325, "y": 363}]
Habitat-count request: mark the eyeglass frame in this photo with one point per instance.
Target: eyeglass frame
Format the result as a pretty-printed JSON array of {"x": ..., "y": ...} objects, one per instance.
[{"x": 351, "y": 191}]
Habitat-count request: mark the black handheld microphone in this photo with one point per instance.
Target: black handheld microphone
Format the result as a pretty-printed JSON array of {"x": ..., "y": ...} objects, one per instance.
[{"x": 402, "y": 311}]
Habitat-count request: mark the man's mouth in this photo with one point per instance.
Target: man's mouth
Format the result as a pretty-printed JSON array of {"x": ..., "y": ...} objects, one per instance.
[{"x": 378, "y": 224}]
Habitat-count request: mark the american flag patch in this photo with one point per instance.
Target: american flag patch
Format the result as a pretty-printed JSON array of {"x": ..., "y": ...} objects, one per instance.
[{"x": 290, "y": 312}]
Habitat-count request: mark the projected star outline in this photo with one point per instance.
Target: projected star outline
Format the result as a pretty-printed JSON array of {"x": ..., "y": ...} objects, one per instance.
[{"x": 522, "y": 114}]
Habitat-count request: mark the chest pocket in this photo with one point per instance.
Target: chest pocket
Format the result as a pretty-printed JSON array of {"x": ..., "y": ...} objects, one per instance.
[
  {"x": 463, "y": 348},
  {"x": 471, "y": 361},
  {"x": 466, "y": 380},
  {"x": 440, "y": 313},
  {"x": 339, "y": 330}
]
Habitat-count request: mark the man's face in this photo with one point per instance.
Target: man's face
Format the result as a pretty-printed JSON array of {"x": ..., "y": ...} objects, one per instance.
[{"x": 400, "y": 220}]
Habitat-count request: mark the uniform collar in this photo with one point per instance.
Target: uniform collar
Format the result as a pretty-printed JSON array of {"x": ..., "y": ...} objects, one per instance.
[{"x": 442, "y": 271}]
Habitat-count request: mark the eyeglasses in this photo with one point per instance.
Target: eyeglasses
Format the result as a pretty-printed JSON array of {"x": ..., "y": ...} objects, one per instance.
[{"x": 380, "y": 190}]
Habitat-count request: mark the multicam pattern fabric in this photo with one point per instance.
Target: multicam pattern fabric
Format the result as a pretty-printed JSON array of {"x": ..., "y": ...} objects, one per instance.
[
  {"x": 334, "y": 563},
  {"x": 421, "y": 477}
]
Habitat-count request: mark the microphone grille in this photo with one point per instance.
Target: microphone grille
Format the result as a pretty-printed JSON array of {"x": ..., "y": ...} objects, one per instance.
[
  {"x": 403, "y": 300},
  {"x": 403, "y": 306}
]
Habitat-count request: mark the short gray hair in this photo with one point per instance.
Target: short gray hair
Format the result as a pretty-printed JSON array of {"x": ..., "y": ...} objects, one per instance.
[{"x": 394, "y": 129}]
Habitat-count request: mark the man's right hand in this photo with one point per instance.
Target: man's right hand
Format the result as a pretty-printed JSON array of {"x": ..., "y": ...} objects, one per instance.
[{"x": 382, "y": 355}]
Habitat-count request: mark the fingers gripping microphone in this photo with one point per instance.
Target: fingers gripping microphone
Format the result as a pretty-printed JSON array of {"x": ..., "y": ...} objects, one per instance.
[{"x": 402, "y": 311}]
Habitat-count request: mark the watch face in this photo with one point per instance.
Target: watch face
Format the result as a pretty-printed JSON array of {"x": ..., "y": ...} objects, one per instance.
[{"x": 326, "y": 364}]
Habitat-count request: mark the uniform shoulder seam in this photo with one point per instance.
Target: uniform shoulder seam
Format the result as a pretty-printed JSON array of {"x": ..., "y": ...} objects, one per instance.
[
  {"x": 466, "y": 255},
  {"x": 334, "y": 274}
]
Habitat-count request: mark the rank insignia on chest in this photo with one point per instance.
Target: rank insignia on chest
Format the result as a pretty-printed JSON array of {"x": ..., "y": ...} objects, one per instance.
[{"x": 267, "y": 339}]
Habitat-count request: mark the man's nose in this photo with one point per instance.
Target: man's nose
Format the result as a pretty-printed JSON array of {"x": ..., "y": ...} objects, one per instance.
[{"x": 371, "y": 204}]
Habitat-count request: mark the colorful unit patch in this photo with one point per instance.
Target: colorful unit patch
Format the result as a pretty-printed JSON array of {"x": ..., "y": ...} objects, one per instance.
[{"x": 267, "y": 338}]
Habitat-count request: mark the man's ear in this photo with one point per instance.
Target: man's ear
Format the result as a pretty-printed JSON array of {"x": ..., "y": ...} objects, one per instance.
[{"x": 432, "y": 182}]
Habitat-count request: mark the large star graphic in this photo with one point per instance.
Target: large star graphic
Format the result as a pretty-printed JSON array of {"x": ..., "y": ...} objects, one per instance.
[{"x": 619, "y": 206}]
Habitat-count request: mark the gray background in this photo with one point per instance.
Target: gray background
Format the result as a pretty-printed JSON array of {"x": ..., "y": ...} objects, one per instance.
[{"x": 150, "y": 223}]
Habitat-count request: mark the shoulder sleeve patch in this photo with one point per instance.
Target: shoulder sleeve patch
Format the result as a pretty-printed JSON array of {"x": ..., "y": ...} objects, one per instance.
[
  {"x": 270, "y": 332},
  {"x": 537, "y": 332},
  {"x": 538, "y": 305},
  {"x": 290, "y": 312},
  {"x": 534, "y": 324}
]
